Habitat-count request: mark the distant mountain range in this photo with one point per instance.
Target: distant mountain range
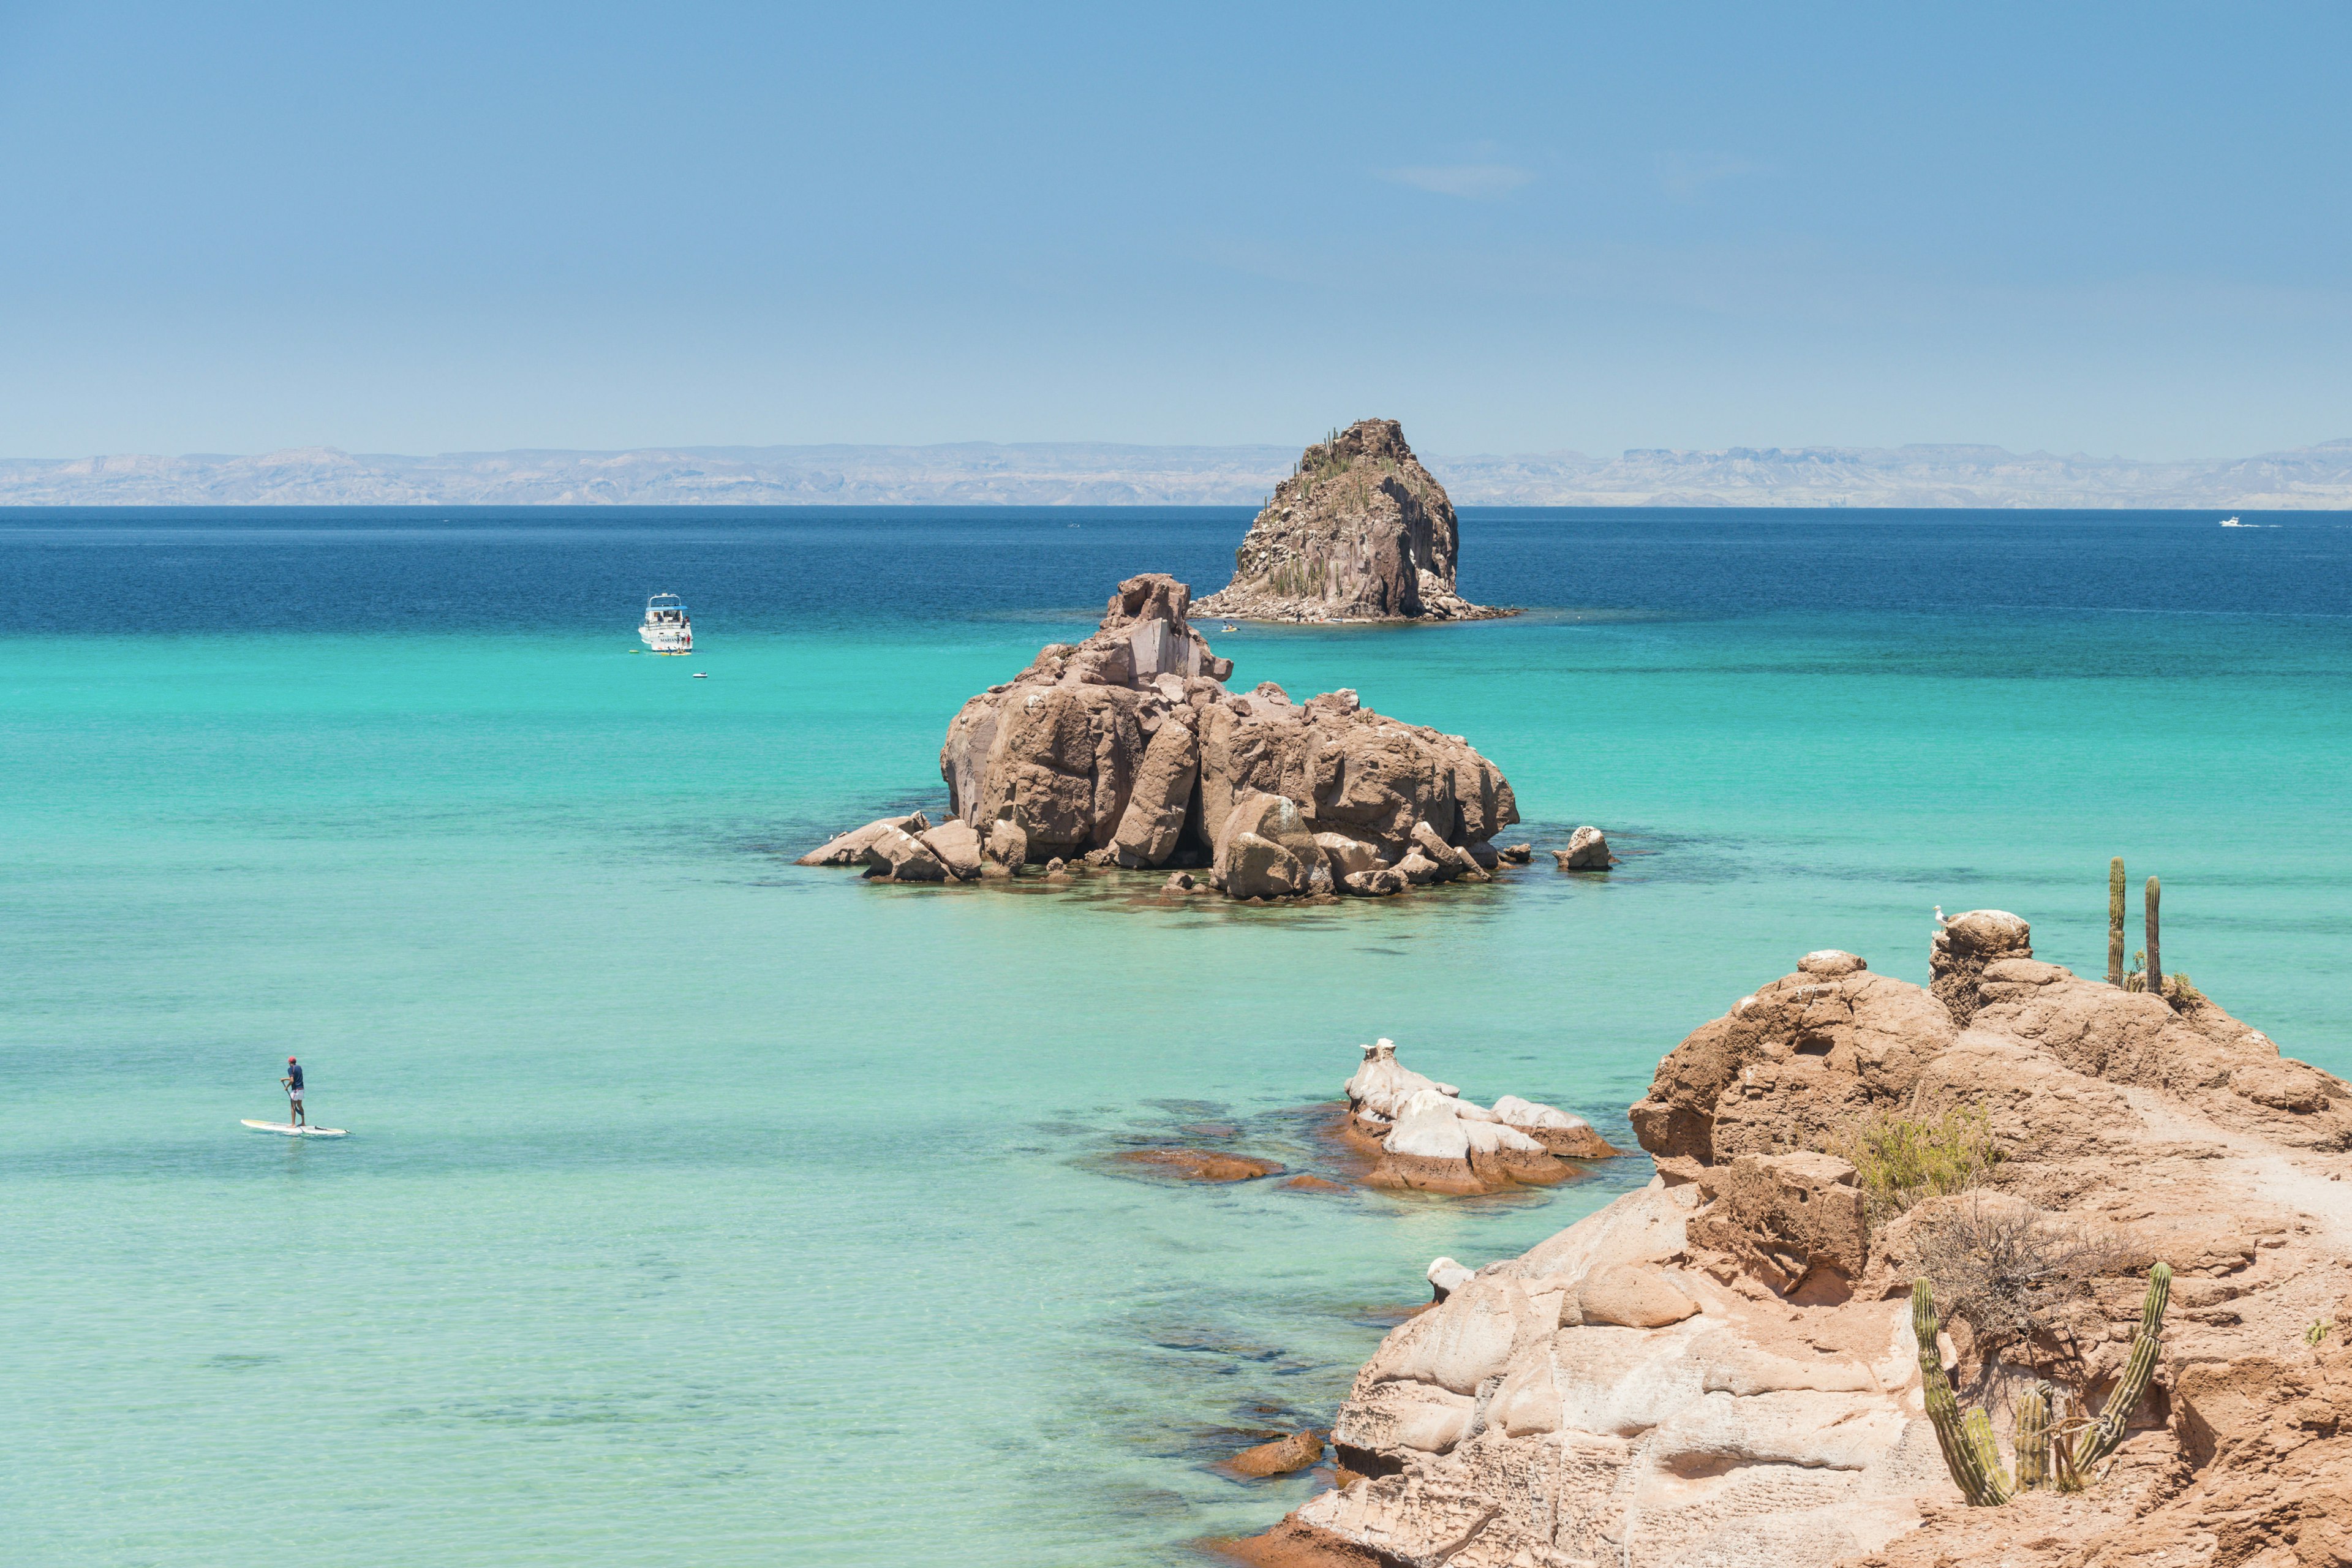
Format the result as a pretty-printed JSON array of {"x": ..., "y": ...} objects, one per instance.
[{"x": 1100, "y": 474}]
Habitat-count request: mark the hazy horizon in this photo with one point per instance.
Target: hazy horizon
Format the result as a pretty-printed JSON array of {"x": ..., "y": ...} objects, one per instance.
[{"x": 1922, "y": 475}]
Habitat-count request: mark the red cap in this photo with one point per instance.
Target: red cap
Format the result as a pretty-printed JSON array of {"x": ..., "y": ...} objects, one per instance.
[{"x": 289, "y": 1059}]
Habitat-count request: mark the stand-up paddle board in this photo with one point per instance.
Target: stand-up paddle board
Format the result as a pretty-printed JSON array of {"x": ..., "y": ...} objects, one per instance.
[{"x": 293, "y": 1131}]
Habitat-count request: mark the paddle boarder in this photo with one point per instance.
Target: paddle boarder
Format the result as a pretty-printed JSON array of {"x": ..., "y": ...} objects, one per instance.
[{"x": 293, "y": 1082}]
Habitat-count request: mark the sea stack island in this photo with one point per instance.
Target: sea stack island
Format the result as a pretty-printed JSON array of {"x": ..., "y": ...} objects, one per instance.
[
  {"x": 1128, "y": 749},
  {"x": 1359, "y": 532}
]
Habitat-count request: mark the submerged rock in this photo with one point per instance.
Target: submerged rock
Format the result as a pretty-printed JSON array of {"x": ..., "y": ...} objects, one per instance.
[
  {"x": 1199, "y": 1164},
  {"x": 1299, "y": 1451},
  {"x": 1360, "y": 532}
]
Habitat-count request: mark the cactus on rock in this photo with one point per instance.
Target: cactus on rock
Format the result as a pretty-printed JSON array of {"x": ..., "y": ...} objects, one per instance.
[
  {"x": 1967, "y": 1442},
  {"x": 2116, "y": 920},
  {"x": 2034, "y": 1437},
  {"x": 2106, "y": 1434},
  {"x": 2154, "y": 958},
  {"x": 2044, "y": 1456}
]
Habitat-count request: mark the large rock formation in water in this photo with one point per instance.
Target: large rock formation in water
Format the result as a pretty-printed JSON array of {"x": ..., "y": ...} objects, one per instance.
[
  {"x": 1127, "y": 749},
  {"x": 1360, "y": 532},
  {"x": 1721, "y": 1369}
]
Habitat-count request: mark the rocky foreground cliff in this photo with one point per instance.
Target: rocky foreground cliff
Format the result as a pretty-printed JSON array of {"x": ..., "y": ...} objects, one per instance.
[
  {"x": 1722, "y": 1369},
  {"x": 1359, "y": 532}
]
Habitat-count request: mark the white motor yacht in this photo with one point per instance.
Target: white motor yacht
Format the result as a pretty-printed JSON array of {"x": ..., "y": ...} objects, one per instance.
[{"x": 666, "y": 629}]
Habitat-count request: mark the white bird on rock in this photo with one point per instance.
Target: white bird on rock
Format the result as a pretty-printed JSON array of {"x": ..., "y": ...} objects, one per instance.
[{"x": 1940, "y": 921}]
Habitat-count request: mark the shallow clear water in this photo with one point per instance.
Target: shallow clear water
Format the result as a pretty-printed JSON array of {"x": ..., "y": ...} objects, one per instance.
[{"x": 701, "y": 1209}]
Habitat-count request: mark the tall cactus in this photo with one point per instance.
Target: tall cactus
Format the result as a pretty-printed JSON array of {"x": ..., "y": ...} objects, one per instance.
[
  {"x": 2044, "y": 1458},
  {"x": 2034, "y": 1437},
  {"x": 2116, "y": 920},
  {"x": 2106, "y": 1434},
  {"x": 1967, "y": 1442},
  {"x": 2154, "y": 958}
]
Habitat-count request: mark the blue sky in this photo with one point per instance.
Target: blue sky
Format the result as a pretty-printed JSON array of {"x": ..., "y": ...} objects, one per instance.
[{"x": 425, "y": 226}]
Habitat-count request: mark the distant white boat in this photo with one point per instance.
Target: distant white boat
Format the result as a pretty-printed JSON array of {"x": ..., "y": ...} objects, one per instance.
[
  {"x": 665, "y": 628},
  {"x": 2232, "y": 522}
]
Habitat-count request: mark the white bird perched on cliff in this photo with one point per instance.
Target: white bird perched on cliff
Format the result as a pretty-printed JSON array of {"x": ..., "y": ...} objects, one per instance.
[{"x": 1940, "y": 921}]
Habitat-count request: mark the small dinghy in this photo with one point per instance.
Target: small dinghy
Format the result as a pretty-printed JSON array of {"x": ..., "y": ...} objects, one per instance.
[{"x": 292, "y": 1130}]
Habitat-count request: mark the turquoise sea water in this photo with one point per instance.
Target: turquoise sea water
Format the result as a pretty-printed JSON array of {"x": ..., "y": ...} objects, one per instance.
[{"x": 702, "y": 1209}]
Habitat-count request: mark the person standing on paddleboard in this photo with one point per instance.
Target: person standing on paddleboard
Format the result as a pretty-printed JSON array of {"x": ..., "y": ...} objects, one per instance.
[{"x": 293, "y": 1082}]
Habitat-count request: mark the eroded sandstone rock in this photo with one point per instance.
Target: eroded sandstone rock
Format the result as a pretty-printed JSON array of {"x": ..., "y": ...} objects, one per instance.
[
  {"x": 1965, "y": 946},
  {"x": 1431, "y": 1139},
  {"x": 1721, "y": 1371},
  {"x": 1360, "y": 532}
]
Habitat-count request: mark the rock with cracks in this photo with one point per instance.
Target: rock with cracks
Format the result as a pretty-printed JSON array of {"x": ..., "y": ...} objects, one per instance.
[
  {"x": 1720, "y": 1369},
  {"x": 1131, "y": 750},
  {"x": 1427, "y": 1138},
  {"x": 1360, "y": 532}
]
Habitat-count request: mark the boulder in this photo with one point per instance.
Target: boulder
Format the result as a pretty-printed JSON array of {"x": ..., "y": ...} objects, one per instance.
[
  {"x": 1265, "y": 850},
  {"x": 1630, "y": 1297},
  {"x": 1007, "y": 848},
  {"x": 1256, "y": 868},
  {"x": 1348, "y": 855},
  {"x": 1968, "y": 945},
  {"x": 1570, "y": 1137},
  {"x": 956, "y": 846},
  {"x": 1360, "y": 532},
  {"x": 1433, "y": 1140},
  {"x": 1830, "y": 962},
  {"x": 1518, "y": 854},
  {"x": 1378, "y": 884},
  {"x": 1482, "y": 855},
  {"x": 898, "y": 856},
  {"x": 1154, "y": 820},
  {"x": 1588, "y": 850},
  {"x": 1299, "y": 1451},
  {"x": 1381, "y": 1086},
  {"x": 849, "y": 849},
  {"x": 1790, "y": 1218},
  {"x": 1429, "y": 1150},
  {"x": 1418, "y": 870}
]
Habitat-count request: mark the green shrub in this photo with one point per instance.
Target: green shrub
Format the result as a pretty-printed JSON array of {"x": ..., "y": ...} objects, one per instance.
[{"x": 1901, "y": 1160}]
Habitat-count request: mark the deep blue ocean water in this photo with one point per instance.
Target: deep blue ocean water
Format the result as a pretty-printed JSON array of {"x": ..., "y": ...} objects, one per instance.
[{"x": 704, "y": 1210}]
